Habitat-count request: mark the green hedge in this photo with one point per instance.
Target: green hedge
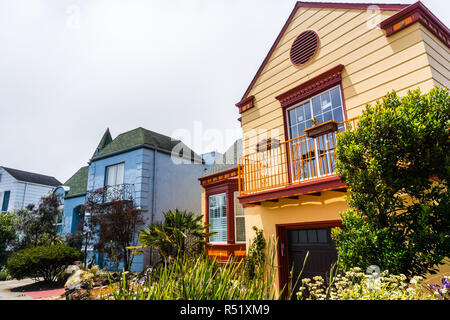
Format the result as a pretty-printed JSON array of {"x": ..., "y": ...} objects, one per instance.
[{"x": 42, "y": 262}]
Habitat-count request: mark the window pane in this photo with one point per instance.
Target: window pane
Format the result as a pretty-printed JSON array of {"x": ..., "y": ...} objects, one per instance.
[
  {"x": 338, "y": 115},
  {"x": 336, "y": 97},
  {"x": 327, "y": 116},
  {"x": 110, "y": 175},
  {"x": 120, "y": 173},
  {"x": 307, "y": 111},
  {"x": 218, "y": 217},
  {"x": 240, "y": 229},
  {"x": 326, "y": 101},
  {"x": 292, "y": 117},
  {"x": 312, "y": 236},
  {"x": 302, "y": 236},
  {"x": 322, "y": 235},
  {"x": 238, "y": 209},
  {"x": 317, "y": 109}
]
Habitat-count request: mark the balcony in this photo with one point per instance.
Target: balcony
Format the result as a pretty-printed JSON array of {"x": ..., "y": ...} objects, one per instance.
[
  {"x": 283, "y": 166},
  {"x": 107, "y": 194}
]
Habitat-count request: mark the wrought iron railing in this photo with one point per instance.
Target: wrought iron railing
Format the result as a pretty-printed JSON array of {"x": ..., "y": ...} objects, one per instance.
[
  {"x": 295, "y": 161},
  {"x": 108, "y": 194}
]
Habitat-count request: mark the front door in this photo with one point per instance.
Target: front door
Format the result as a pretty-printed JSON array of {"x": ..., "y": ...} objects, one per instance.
[
  {"x": 322, "y": 252},
  {"x": 298, "y": 239}
]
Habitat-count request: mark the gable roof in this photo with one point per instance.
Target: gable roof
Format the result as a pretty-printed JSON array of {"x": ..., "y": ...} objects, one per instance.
[
  {"x": 300, "y": 4},
  {"x": 26, "y": 176},
  {"x": 141, "y": 137},
  {"x": 77, "y": 183},
  {"x": 229, "y": 160}
]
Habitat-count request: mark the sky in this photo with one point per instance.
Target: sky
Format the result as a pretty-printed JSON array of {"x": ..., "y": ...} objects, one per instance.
[{"x": 71, "y": 69}]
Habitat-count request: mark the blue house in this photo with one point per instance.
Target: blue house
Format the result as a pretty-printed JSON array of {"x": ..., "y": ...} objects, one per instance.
[{"x": 158, "y": 172}]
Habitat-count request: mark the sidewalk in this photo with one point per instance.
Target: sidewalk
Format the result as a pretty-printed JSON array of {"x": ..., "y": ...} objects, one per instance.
[{"x": 28, "y": 289}]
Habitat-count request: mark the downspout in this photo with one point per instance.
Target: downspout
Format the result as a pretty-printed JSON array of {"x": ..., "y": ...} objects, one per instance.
[
  {"x": 154, "y": 185},
  {"x": 153, "y": 197}
]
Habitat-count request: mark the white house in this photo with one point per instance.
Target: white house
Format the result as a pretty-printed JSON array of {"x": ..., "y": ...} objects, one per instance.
[{"x": 20, "y": 188}]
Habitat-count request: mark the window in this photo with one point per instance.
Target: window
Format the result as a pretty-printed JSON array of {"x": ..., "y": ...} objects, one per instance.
[
  {"x": 325, "y": 107},
  {"x": 239, "y": 219},
  {"x": 311, "y": 236},
  {"x": 322, "y": 108},
  {"x": 218, "y": 217},
  {"x": 114, "y": 174},
  {"x": 5, "y": 201}
]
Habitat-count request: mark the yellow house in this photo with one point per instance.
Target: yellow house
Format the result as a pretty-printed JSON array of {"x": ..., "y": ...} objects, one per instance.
[{"x": 328, "y": 62}]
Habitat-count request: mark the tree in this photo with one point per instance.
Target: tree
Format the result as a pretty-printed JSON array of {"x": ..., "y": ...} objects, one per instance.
[
  {"x": 7, "y": 233},
  {"x": 396, "y": 165},
  {"x": 113, "y": 223},
  {"x": 37, "y": 225},
  {"x": 180, "y": 233}
]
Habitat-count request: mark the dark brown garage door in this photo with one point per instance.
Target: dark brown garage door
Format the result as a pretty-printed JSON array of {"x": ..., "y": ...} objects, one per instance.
[{"x": 322, "y": 252}]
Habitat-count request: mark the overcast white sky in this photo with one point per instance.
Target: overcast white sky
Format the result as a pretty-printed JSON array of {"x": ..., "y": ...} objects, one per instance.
[{"x": 71, "y": 68}]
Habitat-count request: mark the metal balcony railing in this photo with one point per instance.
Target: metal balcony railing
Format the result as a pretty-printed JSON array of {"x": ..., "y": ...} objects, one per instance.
[
  {"x": 108, "y": 194},
  {"x": 295, "y": 161}
]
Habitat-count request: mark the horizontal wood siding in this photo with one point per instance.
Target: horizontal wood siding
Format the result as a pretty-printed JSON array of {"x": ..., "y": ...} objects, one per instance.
[
  {"x": 438, "y": 55},
  {"x": 374, "y": 64},
  {"x": 29, "y": 193}
]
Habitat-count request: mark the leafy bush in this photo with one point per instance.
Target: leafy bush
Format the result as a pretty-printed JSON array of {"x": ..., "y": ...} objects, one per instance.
[
  {"x": 180, "y": 233},
  {"x": 396, "y": 164},
  {"x": 355, "y": 285},
  {"x": 256, "y": 258},
  {"x": 8, "y": 224},
  {"x": 4, "y": 275},
  {"x": 45, "y": 261}
]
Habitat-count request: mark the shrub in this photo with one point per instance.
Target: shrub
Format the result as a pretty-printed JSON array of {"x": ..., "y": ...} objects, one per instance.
[
  {"x": 4, "y": 275},
  {"x": 396, "y": 165},
  {"x": 201, "y": 278},
  {"x": 180, "y": 233},
  {"x": 42, "y": 262},
  {"x": 256, "y": 258}
]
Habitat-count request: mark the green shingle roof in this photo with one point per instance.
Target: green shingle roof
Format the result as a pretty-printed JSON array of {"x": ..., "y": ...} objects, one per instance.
[
  {"x": 140, "y": 137},
  {"x": 78, "y": 183}
]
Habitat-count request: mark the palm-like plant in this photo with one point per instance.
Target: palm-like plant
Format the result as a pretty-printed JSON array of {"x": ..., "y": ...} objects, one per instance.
[{"x": 180, "y": 233}]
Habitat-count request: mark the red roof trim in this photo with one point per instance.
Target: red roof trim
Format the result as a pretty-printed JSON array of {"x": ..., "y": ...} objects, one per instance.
[
  {"x": 360, "y": 6},
  {"x": 245, "y": 104},
  {"x": 417, "y": 12},
  {"x": 217, "y": 174}
]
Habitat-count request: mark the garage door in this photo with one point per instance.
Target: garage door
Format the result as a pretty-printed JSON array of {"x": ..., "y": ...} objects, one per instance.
[{"x": 322, "y": 252}]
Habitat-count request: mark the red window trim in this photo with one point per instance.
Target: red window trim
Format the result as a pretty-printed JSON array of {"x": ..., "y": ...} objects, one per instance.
[
  {"x": 229, "y": 187},
  {"x": 311, "y": 87}
]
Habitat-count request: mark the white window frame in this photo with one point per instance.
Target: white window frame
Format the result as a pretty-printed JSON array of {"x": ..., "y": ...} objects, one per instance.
[
  {"x": 115, "y": 166},
  {"x": 316, "y": 146},
  {"x": 226, "y": 217},
  {"x": 236, "y": 205}
]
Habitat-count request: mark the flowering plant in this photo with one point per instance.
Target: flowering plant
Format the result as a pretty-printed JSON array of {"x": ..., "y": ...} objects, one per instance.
[
  {"x": 355, "y": 285},
  {"x": 442, "y": 291}
]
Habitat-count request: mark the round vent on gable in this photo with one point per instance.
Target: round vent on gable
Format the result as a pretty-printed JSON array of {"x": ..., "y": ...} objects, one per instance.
[{"x": 304, "y": 47}]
